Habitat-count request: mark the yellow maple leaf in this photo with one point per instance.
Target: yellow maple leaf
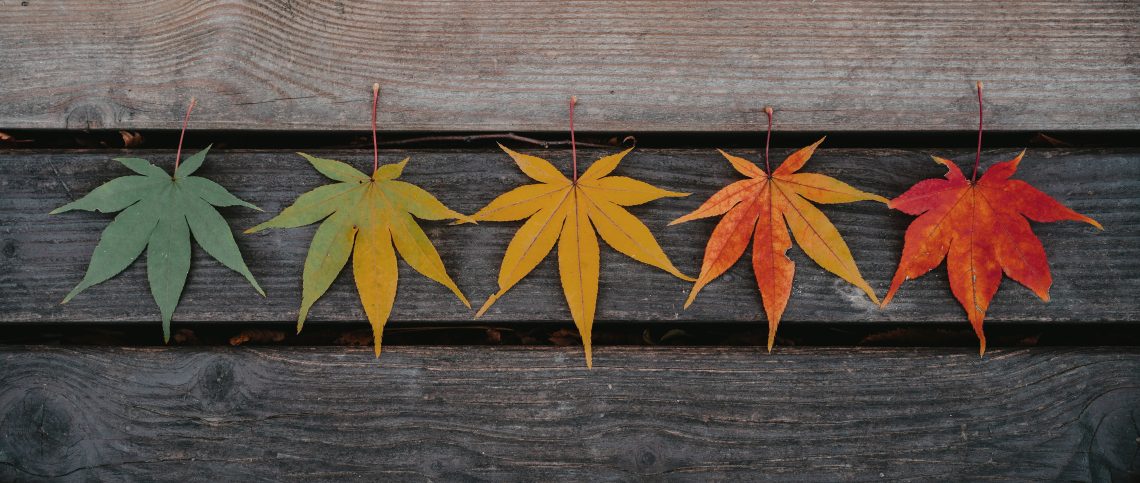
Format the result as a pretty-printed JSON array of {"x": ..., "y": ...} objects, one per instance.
[{"x": 567, "y": 212}]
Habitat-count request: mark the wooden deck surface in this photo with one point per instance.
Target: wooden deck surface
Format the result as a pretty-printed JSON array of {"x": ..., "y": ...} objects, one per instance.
[
  {"x": 641, "y": 65},
  {"x": 478, "y": 413},
  {"x": 45, "y": 256},
  {"x": 872, "y": 68}
]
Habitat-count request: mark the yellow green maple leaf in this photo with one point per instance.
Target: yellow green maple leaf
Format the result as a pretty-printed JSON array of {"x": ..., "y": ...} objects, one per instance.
[{"x": 369, "y": 218}]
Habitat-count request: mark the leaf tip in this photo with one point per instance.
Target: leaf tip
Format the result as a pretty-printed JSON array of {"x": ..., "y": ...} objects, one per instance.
[
  {"x": 462, "y": 298},
  {"x": 486, "y": 305},
  {"x": 692, "y": 296},
  {"x": 866, "y": 288},
  {"x": 70, "y": 295},
  {"x": 981, "y": 334},
  {"x": 680, "y": 220},
  {"x": 677, "y": 273},
  {"x": 887, "y": 299}
]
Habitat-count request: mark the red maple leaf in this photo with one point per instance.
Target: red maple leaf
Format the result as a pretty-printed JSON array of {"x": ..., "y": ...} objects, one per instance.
[{"x": 980, "y": 227}]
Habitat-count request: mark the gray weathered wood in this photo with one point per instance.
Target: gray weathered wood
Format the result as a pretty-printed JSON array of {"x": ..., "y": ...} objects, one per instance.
[
  {"x": 464, "y": 413},
  {"x": 44, "y": 256},
  {"x": 644, "y": 65}
]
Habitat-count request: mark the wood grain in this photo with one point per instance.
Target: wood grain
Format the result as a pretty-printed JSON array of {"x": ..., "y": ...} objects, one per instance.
[
  {"x": 455, "y": 413},
  {"x": 42, "y": 257},
  {"x": 638, "y": 65}
]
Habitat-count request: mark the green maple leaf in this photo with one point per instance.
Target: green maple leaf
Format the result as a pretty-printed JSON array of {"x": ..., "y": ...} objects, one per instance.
[{"x": 159, "y": 212}]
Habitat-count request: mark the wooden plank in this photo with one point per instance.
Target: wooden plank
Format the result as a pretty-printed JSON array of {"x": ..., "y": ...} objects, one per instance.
[
  {"x": 45, "y": 256},
  {"x": 456, "y": 413},
  {"x": 641, "y": 65}
]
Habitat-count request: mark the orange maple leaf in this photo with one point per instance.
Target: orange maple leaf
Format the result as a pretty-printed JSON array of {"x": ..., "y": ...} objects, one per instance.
[
  {"x": 757, "y": 208},
  {"x": 979, "y": 226}
]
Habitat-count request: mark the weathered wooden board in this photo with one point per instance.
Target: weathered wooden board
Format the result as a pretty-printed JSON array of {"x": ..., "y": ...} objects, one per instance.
[
  {"x": 44, "y": 256},
  {"x": 641, "y": 65},
  {"x": 464, "y": 413}
]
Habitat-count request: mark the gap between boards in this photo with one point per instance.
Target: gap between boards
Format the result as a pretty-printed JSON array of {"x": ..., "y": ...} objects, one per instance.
[
  {"x": 608, "y": 333},
  {"x": 163, "y": 139}
]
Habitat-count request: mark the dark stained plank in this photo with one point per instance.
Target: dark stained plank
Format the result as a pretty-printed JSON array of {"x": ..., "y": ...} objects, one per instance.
[
  {"x": 466, "y": 413},
  {"x": 42, "y": 257},
  {"x": 644, "y": 65}
]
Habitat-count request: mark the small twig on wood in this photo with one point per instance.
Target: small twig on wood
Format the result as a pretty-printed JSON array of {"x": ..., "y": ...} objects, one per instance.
[{"x": 628, "y": 140}]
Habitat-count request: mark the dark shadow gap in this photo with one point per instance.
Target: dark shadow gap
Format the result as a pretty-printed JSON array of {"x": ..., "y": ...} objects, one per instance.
[
  {"x": 792, "y": 334},
  {"x": 291, "y": 140}
]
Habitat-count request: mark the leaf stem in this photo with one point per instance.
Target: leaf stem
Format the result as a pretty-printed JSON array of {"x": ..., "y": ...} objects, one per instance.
[
  {"x": 573, "y": 144},
  {"x": 181, "y": 137},
  {"x": 978, "y": 157},
  {"x": 375, "y": 146},
  {"x": 768, "y": 141}
]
